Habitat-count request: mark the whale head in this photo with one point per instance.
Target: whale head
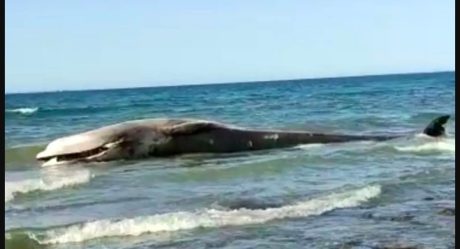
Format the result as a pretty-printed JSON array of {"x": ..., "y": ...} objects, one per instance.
[{"x": 113, "y": 142}]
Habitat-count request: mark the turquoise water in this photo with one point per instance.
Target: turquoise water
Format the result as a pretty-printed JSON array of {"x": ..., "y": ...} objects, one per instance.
[{"x": 353, "y": 195}]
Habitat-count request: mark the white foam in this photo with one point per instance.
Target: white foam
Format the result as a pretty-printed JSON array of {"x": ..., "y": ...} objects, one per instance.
[
  {"x": 420, "y": 143},
  {"x": 441, "y": 145},
  {"x": 23, "y": 110},
  {"x": 309, "y": 146},
  {"x": 206, "y": 218},
  {"x": 12, "y": 188}
]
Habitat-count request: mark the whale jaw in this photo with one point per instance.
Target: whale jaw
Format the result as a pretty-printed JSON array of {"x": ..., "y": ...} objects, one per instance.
[{"x": 50, "y": 158}]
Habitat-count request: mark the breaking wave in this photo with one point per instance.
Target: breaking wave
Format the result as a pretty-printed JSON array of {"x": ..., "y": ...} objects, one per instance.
[
  {"x": 24, "y": 110},
  {"x": 13, "y": 188},
  {"x": 208, "y": 218},
  {"x": 420, "y": 143},
  {"x": 442, "y": 145}
]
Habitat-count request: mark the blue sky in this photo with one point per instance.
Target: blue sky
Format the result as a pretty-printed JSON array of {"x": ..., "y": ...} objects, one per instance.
[{"x": 88, "y": 44}]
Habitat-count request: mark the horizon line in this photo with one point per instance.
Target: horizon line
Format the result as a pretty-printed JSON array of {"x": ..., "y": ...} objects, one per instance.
[{"x": 237, "y": 82}]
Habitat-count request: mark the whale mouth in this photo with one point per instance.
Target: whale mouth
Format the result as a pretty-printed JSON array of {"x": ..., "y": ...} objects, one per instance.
[
  {"x": 68, "y": 158},
  {"x": 95, "y": 154}
]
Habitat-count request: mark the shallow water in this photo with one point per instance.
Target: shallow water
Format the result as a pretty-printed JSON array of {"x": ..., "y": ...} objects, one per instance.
[{"x": 353, "y": 195}]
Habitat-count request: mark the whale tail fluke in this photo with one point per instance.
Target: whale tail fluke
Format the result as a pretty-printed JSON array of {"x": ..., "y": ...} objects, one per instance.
[{"x": 436, "y": 127}]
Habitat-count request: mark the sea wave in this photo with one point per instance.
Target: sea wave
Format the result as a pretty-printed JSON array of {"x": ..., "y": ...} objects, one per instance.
[
  {"x": 209, "y": 218},
  {"x": 25, "y": 110},
  {"x": 22, "y": 155},
  {"x": 429, "y": 144},
  {"x": 441, "y": 146},
  {"x": 13, "y": 188},
  {"x": 64, "y": 110},
  {"x": 420, "y": 143}
]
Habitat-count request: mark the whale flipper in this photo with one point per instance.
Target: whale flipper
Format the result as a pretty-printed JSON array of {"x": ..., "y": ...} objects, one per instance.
[{"x": 436, "y": 127}]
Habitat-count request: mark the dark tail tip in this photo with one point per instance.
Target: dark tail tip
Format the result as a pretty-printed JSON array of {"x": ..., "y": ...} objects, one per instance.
[{"x": 436, "y": 127}]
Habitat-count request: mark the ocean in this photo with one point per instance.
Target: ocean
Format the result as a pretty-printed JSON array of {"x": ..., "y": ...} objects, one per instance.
[{"x": 351, "y": 195}]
